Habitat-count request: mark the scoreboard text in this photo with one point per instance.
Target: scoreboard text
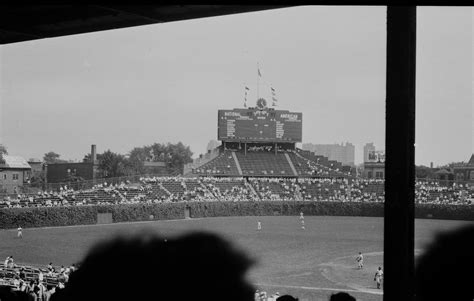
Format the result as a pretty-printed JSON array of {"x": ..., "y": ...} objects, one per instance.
[{"x": 259, "y": 125}]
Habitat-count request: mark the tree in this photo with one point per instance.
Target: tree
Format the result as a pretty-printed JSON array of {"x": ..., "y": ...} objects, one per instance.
[
  {"x": 174, "y": 156},
  {"x": 3, "y": 150},
  {"x": 424, "y": 172},
  {"x": 52, "y": 157},
  {"x": 113, "y": 165},
  {"x": 37, "y": 181}
]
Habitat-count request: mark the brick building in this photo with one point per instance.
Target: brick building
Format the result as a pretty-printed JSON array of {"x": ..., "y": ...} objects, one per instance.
[{"x": 14, "y": 172}]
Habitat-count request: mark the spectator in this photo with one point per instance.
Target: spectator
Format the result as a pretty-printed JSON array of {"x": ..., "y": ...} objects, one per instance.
[
  {"x": 286, "y": 298},
  {"x": 342, "y": 296},
  {"x": 207, "y": 266},
  {"x": 444, "y": 272}
]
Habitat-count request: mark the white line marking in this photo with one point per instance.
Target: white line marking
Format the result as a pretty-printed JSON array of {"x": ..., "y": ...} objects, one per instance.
[{"x": 322, "y": 288}]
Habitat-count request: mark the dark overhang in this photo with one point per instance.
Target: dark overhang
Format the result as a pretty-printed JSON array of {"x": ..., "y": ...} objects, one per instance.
[{"x": 19, "y": 23}]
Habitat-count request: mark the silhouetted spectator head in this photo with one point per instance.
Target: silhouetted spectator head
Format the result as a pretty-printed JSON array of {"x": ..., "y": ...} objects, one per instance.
[
  {"x": 342, "y": 296},
  {"x": 286, "y": 298},
  {"x": 198, "y": 266},
  {"x": 444, "y": 272},
  {"x": 6, "y": 293}
]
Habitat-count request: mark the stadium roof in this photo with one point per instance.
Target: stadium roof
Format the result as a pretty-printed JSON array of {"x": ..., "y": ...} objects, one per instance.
[
  {"x": 471, "y": 161},
  {"x": 19, "y": 23},
  {"x": 13, "y": 162}
]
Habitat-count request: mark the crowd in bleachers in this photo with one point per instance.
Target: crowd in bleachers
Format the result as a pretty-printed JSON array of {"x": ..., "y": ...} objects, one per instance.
[
  {"x": 176, "y": 189},
  {"x": 38, "y": 282},
  {"x": 432, "y": 192}
]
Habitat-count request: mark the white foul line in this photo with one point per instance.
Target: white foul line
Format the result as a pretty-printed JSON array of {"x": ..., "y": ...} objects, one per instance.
[{"x": 323, "y": 288}]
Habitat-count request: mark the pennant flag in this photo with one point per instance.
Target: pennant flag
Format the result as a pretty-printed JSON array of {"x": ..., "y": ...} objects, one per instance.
[
  {"x": 259, "y": 74},
  {"x": 274, "y": 99},
  {"x": 273, "y": 90},
  {"x": 247, "y": 88}
]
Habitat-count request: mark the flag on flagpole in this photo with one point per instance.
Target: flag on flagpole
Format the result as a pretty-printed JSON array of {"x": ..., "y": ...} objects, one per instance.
[
  {"x": 247, "y": 88},
  {"x": 259, "y": 74},
  {"x": 273, "y": 90}
]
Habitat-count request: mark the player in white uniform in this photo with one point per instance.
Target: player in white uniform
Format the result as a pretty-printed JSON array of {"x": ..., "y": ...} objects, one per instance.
[
  {"x": 302, "y": 220},
  {"x": 378, "y": 277},
  {"x": 259, "y": 225},
  {"x": 20, "y": 233},
  {"x": 360, "y": 260}
]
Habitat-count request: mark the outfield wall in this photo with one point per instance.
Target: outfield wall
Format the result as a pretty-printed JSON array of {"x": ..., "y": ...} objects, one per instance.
[{"x": 83, "y": 215}]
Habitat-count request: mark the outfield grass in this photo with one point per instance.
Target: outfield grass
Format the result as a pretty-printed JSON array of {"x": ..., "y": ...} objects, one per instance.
[{"x": 310, "y": 263}]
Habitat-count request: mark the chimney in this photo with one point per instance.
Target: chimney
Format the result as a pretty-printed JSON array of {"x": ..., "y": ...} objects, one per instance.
[{"x": 93, "y": 154}]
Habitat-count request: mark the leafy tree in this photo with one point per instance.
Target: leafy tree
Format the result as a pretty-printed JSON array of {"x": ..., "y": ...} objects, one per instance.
[
  {"x": 52, "y": 157},
  {"x": 37, "y": 181},
  {"x": 424, "y": 172},
  {"x": 174, "y": 156},
  {"x": 87, "y": 158},
  {"x": 113, "y": 164},
  {"x": 3, "y": 150}
]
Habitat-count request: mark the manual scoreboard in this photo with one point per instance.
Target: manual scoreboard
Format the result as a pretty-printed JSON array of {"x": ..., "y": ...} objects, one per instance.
[{"x": 263, "y": 125}]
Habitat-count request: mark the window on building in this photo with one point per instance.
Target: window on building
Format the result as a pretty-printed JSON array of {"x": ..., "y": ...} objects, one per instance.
[
  {"x": 472, "y": 175},
  {"x": 369, "y": 175},
  {"x": 15, "y": 176}
]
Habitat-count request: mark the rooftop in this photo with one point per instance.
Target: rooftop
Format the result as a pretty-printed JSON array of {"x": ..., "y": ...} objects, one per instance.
[{"x": 7, "y": 161}]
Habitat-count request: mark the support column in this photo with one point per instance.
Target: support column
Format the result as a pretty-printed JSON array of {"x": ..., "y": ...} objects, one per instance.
[{"x": 400, "y": 154}]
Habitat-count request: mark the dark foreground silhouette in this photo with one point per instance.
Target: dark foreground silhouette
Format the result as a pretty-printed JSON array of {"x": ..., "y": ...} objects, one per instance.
[
  {"x": 197, "y": 266},
  {"x": 445, "y": 271}
]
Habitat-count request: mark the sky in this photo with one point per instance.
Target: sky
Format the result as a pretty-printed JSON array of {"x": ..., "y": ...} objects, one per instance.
[{"x": 163, "y": 83}]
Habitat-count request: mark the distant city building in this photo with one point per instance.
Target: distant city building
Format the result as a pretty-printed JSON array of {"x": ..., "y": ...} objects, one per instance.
[
  {"x": 374, "y": 162},
  {"x": 14, "y": 172},
  {"x": 368, "y": 148},
  {"x": 344, "y": 154},
  {"x": 213, "y": 144}
]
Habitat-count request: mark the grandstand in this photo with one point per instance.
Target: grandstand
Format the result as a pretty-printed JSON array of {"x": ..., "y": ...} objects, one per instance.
[{"x": 257, "y": 160}]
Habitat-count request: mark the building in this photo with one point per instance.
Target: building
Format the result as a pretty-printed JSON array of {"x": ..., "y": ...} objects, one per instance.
[
  {"x": 344, "y": 154},
  {"x": 374, "y": 162},
  {"x": 464, "y": 171},
  {"x": 14, "y": 172},
  {"x": 368, "y": 148},
  {"x": 63, "y": 172},
  {"x": 37, "y": 168},
  {"x": 212, "y": 145}
]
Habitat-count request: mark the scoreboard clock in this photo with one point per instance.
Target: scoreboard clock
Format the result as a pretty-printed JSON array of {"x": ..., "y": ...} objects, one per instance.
[{"x": 261, "y": 103}]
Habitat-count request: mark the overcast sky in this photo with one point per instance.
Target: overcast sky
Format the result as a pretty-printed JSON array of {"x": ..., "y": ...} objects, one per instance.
[{"x": 165, "y": 82}]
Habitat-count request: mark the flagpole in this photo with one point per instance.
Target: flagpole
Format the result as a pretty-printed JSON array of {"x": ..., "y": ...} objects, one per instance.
[{"x": 258, "y": 80}]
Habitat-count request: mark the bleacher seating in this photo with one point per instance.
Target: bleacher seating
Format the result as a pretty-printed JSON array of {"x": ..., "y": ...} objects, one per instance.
[
  {"x": 264, "y": 164},
  {"x": 223, "y": 164},
  {"x": 175, "y": 189}
]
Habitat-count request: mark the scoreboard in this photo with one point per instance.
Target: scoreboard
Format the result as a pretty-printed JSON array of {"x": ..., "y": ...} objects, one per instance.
[{"x": 262, "y": 125}]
